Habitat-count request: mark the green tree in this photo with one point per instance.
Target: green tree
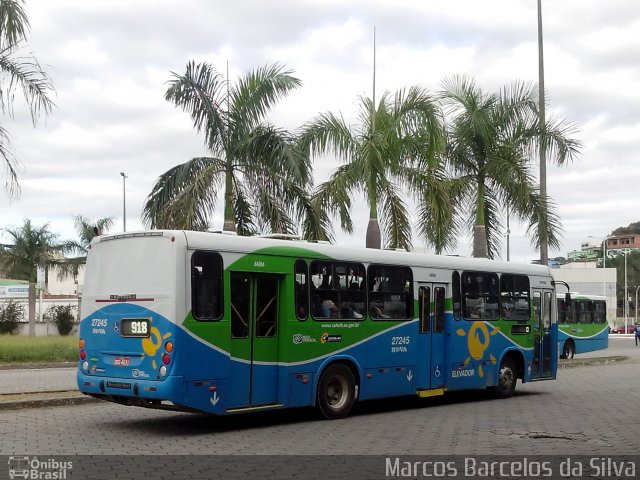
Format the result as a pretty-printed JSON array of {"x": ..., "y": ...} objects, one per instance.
[
  {"x": 615, "y": 259},
  {"x": 19, "y": 71},
  {"x": 631, "y": 228},
  {"x": 263, "y": 175},
  {"x": 32, "y": 248},
  {"x": 492, "y": 140},
  {"x": 87, "y": 230},
  {"x": 394, "y": 148}
]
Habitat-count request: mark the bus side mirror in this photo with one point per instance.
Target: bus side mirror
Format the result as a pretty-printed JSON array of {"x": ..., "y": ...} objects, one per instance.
[{"x": 567, "y": 298}]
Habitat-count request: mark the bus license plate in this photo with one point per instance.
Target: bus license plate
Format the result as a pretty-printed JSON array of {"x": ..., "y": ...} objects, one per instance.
[{"x": 135, "y": 327}]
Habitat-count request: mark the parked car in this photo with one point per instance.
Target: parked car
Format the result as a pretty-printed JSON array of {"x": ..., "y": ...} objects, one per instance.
[{"x": 620, "y": 329}]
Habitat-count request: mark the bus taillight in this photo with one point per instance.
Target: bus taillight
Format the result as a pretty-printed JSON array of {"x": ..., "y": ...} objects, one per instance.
[
  {"x": 166, "y": 359},
  {"x": 168, "y": 347}
]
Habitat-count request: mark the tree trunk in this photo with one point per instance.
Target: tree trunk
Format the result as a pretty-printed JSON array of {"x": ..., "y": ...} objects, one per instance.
[
  {"x": 374, "y": 239},
  {"x": 32, "y": 309},
  {"x": 229, "y": 222},
  {"x": 480, "y": 248},
  {"x": 229, "y": 226}
]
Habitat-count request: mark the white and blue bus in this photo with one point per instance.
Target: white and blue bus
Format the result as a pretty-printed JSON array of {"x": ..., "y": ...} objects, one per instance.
[
  {"x": 223, "y": 324},
  {"x": 582, "y": 324}
]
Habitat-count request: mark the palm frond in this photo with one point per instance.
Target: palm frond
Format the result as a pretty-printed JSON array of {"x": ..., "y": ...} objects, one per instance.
[
  {"x": 243, "y": 211},
  {"x": 330, "y": 134},
  {"x": 259, "y": 90},
  {"x": 544, "y": 222},
  {"x": 11, "y": 183},
  {"x": 201, "y": 92},
  {"x": 185, "y": 196},
  {"x": 277, "y": 152},
  {"x": 14, "y": 23},
  {"x": 32, "y": 79},
  {"x": 396, "y": 226}
]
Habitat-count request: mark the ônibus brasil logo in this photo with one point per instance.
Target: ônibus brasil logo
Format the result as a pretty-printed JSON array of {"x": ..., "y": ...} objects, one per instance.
[{"x": 35, "y": 468}]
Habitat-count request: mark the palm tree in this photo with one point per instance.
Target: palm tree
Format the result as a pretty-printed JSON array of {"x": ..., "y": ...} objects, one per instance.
[
  {"x": 87, "y": 230},
  {"x": 492, "y": 140},
  {"x": 382, "y": 157},
  {"x": 18, "y": 71},
  {"x": 263, "y": 175},
  {"x": 32, "y": 248}
]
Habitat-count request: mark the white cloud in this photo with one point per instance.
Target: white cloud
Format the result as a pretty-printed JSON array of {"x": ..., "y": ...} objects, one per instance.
[{"x": 110, "y": 61}]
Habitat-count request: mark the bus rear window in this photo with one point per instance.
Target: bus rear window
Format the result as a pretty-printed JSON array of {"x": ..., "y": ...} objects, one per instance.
[{"x": 206, "y": 286}]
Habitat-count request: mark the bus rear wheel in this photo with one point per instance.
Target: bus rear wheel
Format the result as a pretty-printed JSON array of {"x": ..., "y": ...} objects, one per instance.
[
  {"x": 507, "y": 379},
  {"x": 336, "y": 391},
  {"x": 568, "y": 350}
]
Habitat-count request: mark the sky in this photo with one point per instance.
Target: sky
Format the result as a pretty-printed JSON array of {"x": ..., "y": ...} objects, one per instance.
[{"x": 110, "y": 61}]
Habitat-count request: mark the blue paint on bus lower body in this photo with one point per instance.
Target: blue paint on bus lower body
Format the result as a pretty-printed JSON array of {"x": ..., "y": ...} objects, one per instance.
[
  {"x": 599, "y": 341},
  {"x": 199, "y": 376}
]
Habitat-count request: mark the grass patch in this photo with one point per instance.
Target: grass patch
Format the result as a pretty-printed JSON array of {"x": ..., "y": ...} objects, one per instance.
[{"x": 20, "y": 349}]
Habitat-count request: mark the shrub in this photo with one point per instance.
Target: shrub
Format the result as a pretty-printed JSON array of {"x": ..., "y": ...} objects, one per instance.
[
  {"x": 63, "y": 316},
  {"x": 11, "y": 314}
]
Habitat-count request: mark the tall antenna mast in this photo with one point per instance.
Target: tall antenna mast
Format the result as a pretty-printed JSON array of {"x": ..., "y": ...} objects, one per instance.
[
  {"x": 373, "y": 105},
  {"x": 228, "y": 99},
  {"x": 544, "y": 246}
]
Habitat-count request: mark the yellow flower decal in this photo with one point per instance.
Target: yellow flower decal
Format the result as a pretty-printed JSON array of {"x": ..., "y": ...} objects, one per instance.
[
  {"x": 478, "y": 341},
  {"x": 153, "y": 343}
]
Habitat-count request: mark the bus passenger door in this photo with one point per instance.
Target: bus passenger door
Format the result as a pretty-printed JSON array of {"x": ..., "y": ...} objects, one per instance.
[
  {"x": 254, "y": 303},
  {"x": 432, "y": 324},
  {"x": 542, "y": 348}
]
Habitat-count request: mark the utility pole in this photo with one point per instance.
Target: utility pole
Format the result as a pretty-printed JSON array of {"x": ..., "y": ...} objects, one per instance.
[{"x": 544, "y": 247}]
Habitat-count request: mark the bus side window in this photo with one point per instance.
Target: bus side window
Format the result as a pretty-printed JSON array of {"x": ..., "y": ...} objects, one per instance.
[
  {"x": 546, "y": 312},
  {"x": 562, "y": 311},
  {"x": 390, "y": 292},
  {"x": 600, "y": 312},
  {"x": 301, "y": 290},
  {"x": 424, "y": 304},
  {"x": 480, "y": 295},
  {"x": 335, "y": 290},
  {"x": 457, "y": 297},
  {"x": 439, "y": 309},
  {"x": 206, "y": 286},
  {"x": 514, "y": 297}
]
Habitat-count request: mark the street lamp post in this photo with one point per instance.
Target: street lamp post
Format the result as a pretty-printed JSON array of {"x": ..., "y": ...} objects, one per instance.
[
  {"x": 604, "y": 265},
  {"x": 636, "y": 322},
  {"x": 124, "y": 202},
  {"x": 626, "y": 294}
]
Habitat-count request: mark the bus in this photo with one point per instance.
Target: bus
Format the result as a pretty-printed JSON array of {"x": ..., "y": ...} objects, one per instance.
[
  {"x": 582, "y": 324},
  {"x": 222, "y": 324}
]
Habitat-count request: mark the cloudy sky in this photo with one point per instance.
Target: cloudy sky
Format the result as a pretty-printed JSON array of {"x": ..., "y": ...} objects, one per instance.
[{"x": 110, "y": 61}]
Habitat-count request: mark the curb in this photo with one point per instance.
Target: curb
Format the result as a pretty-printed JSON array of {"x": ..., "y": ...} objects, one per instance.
[
  {"x": 581, "y": 362},
  {"x": 25, "y": 366},
  {"x": 44, "y": 399}
]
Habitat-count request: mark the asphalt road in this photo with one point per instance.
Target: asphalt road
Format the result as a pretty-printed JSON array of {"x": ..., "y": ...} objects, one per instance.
[{"x": 589, "y": 410}]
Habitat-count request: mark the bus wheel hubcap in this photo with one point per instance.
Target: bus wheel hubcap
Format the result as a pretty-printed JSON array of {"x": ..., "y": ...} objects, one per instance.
[
  {"x": 507, "y": 377},
  {"x": 336, "y": 392}
]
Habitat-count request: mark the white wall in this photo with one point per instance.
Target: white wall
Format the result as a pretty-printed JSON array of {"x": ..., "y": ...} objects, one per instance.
[{"x": 64, "y": 286}]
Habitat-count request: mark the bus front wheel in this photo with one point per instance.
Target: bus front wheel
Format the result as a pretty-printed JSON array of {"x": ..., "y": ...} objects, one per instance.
[
  {"x": 569, "y": 350},
  {"x": 336, "y": 391},
  {"x": 507, "y": 378}
]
